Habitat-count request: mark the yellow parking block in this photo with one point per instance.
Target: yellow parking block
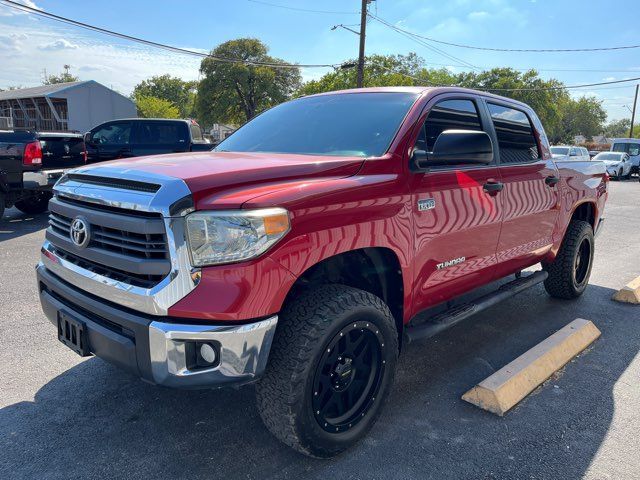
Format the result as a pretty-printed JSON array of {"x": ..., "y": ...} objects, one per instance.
[
  {"x": 630, "y": 293},
  {"x": 506, "y": 387}
]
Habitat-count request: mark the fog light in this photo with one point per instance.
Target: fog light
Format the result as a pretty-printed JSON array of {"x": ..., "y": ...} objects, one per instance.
[{"x": 208, "y": 353}]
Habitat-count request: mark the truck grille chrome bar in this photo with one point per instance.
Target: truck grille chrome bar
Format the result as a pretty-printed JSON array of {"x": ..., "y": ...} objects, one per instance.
[{"x": 136, "y": 254}]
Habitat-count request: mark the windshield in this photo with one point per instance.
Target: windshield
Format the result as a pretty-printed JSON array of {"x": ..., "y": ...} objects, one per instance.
[
  {"x": 560, "y": 150},
  {"x": 608, "y": 156},
  {"x": 356, "y": 124}
]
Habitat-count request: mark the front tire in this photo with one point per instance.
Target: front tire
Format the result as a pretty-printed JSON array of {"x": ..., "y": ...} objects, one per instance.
[
  {"x": 330, "y": 369},
  {"x": 569, "y": 272},
  {"x": 33, "y": 204}
]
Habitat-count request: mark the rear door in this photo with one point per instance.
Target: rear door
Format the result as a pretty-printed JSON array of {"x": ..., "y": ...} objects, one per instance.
[
  {"x": 456, "y": 221},
  {"x": 158, "y": 137},
  {"x": 111, "y": 141},
  {"x": 62, "y": 152},
  {"x": 531, "y": 189}
]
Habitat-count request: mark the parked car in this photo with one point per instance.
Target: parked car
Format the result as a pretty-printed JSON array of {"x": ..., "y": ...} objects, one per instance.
[
  {"x": 630, "y": 146},
  {"x": 136, "y": 137},
  {"x": 618, "y": 164},
  {"x": 574, "y": 153},
  {"x": 31, "y": 162},
  {"x": 307, "y": 248}
]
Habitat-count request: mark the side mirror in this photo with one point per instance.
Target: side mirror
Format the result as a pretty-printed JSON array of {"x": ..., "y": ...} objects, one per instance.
[
  {"x": 457, "y": 147},
  {"x": 87, "y": 138}
]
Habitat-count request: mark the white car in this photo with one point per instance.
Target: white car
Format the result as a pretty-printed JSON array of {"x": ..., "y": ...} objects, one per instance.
[
  {"x": 630, "y": 146},
  {"x": 618, "y": 164},
  {"x": 573, "y": 153}
]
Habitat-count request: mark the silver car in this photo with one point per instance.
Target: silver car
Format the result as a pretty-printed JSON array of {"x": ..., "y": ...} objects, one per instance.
[{"x": 618, "y": 164}]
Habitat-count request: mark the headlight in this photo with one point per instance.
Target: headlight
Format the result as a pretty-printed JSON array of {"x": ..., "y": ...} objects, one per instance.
[{"x": 217, "y": 237}]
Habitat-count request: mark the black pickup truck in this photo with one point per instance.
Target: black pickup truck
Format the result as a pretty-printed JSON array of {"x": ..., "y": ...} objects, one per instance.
[
  {"x": 136, "y": 137},
  {"x": 31, "y": 162}
]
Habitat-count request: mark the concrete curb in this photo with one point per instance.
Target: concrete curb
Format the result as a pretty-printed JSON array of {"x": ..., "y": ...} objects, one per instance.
[
  {"x": 513, "y": 382},
  {"x": 630, "y": 293}
]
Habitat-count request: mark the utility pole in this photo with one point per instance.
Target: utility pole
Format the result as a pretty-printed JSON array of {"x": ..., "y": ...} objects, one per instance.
[
  {"x": 633, "y": 113},
  {"x": 363, "y": 34}
]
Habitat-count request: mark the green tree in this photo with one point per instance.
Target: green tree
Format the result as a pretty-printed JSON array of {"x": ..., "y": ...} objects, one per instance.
[
  {"x": 232, "y": 92},
  {"x": 617, "y": 128},
  {"x": 62, "y": 77},
  {"x": 153, "y": 107},
  {"x": 543, "y": 96},
  {"x": 179, "y": 92},
  {"x": 584, "y": 116},
  {"x": 380, "y": 71}
]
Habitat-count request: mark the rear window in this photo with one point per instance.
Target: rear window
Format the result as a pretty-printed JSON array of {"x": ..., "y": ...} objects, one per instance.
[
  {"x": 515, "y": 135},
  {"x": 608, "y": 156},
  {"x": 560, "y": 150},
  {"x": 161, "y": 132}
]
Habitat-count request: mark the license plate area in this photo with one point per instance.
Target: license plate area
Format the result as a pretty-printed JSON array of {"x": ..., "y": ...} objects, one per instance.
[{"x": 73, "y": 333}]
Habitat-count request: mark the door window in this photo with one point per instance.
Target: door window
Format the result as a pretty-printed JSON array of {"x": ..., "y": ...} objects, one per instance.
[
  {"x": 448, "y": 115},
  {"x": 113, "y": 134},
  {"x": 196, "y": 133},
  {"x": 161, "y": 133},
  {"x": 632, "y": 149},
  {"x": 515, "y": 135}
]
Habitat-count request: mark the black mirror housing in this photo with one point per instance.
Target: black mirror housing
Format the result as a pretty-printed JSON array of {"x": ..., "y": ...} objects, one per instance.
[
  {"x": 457, "y": 147},
  {"x": 87, "y": 137}
]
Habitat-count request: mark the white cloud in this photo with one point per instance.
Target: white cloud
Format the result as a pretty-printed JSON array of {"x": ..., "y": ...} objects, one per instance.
[
  {"x": 7, "y": 11},
  {"x": 478, "y": 15},
  {"x": 60, "y": 44},
  {"x": 608, "y": 79},
  {"x": 11, "y": 42}
]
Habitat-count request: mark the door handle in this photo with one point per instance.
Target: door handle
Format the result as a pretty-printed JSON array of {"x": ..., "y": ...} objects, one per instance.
[
  {"x": 551, "y": 180},
  {"x": 492, "y": 187}
]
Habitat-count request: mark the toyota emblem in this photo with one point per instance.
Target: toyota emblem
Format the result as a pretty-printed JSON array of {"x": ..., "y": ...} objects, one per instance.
[{"x": 79, "y": 232}]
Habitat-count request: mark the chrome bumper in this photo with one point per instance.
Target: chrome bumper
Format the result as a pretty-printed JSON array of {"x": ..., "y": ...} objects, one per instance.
[
  {"x": 41, "y": 179},
  {"x": 243, "y": 352}
]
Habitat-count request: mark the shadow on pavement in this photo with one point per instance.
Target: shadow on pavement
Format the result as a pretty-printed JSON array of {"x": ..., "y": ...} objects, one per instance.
[
  {"x": 15, "y": 224},
  {"x": 94, "y": 421}
]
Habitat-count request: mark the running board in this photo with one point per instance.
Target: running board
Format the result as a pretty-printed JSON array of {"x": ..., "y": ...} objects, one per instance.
[{"x": 455, "y": 315}]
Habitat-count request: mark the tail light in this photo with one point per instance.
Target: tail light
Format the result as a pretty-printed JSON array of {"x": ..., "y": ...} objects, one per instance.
[{"x": 32, "y": 154}]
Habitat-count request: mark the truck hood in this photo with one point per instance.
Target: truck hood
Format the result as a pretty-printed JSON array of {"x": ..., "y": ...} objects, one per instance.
[{"x": 210, "y": 174}]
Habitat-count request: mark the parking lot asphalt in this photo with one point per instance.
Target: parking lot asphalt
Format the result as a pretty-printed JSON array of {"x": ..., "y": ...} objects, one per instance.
[{"x": 65, "y": 417}]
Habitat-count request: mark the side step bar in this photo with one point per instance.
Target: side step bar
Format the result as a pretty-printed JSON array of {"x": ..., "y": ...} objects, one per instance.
[{"x": 449, "y": 318}]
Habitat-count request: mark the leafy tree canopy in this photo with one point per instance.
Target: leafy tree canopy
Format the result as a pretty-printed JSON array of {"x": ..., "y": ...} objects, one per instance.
[
  {"x": 179, "y": 92},
  {"x": 154, "y": 107},
  {"x": 235, "y": 92},
  {"x": 62, "y": 77}
]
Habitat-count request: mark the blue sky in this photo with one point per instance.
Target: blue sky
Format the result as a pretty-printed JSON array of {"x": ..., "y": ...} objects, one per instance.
[{"x": 29, "y": 44}]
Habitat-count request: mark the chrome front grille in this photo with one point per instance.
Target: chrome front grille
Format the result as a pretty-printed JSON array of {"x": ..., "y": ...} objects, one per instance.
[{"x": 124, "y": 246}]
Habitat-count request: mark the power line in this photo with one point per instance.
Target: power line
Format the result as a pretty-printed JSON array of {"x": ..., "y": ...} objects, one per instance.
[
  {"x": 69, "y": 21},
  {"x": 301, "y": 9},
  {"x": 533, "y": 50},
  {"x": 424, "y": 44}
]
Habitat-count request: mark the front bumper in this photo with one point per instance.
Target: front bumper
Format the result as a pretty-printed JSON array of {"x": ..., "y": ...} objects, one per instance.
[{"x": 160, "y": 349}]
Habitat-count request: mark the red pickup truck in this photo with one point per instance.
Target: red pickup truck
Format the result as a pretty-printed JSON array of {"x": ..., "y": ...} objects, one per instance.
[{"x": 312, "y": 244}]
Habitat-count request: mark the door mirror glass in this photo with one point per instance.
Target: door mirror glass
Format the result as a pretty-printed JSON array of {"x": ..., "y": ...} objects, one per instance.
[{"x": 457, "y": 147}]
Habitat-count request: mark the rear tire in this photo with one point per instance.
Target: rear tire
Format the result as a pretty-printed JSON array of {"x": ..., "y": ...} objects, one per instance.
[
  {"x": 36, "y": 203},
  {"x": 569, "y": 272},
  {"x": 317, "y": 404}
]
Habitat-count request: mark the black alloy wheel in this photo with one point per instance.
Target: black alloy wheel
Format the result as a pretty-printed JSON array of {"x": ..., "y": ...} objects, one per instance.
[{"x": 348, "y": 377}]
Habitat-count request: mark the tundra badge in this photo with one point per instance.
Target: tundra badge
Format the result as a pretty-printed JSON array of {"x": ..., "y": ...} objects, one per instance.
[
  {"x": 426, "y": 204},
  {"x": 450, "y": 263}
]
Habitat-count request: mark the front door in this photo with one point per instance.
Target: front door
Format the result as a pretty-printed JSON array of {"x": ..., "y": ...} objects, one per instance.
[
  {"x": 111, "y": 141},
  {"x": 457, "y": 212},
  {"x": 531, "y": 191},
  {"x": 155, "y": 137}
]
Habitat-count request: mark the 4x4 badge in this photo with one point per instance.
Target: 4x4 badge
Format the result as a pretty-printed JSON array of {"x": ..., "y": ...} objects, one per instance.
[{"x": 426, "y": 204}]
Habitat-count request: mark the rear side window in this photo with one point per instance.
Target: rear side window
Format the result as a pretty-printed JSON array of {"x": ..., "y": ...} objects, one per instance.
[
  {"x": 448, "y": 115},
  {"x": 196, "y": 133},
  {"x": 161, "y": 132},
  {"x": 632, "y": 149},
  {"x": 515, "y": 135}
]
